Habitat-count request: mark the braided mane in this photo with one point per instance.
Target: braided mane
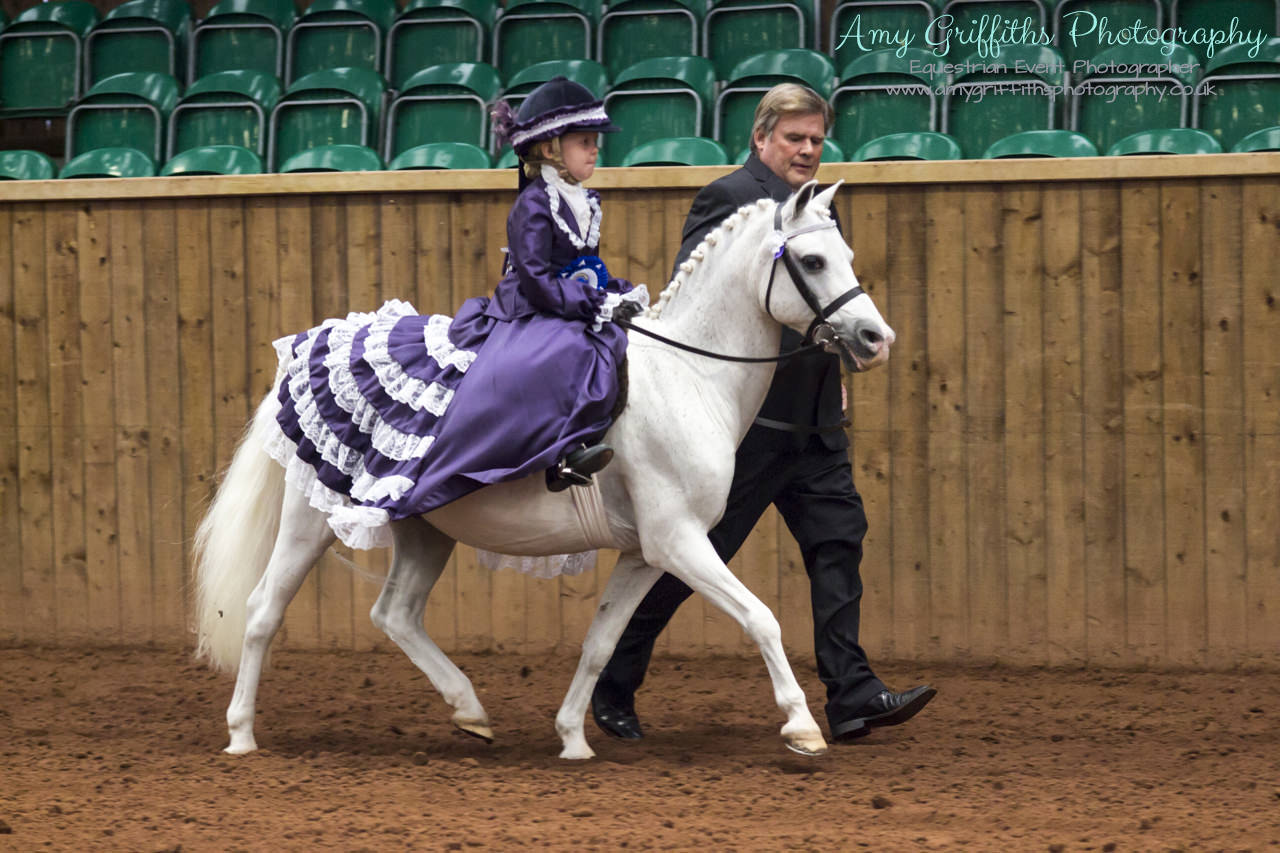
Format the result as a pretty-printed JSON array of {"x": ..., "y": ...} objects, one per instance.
[{"x": 699, "y": 254}]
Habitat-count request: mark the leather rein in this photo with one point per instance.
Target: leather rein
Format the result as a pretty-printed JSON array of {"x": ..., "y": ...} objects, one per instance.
[{"x": 819, "y": 331}]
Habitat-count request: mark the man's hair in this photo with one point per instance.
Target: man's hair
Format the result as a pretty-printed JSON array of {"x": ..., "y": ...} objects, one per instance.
[{"x": 787, "y": 99}]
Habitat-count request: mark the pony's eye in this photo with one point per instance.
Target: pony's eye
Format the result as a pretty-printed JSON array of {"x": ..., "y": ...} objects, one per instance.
[{"x": 813, "y": 263}]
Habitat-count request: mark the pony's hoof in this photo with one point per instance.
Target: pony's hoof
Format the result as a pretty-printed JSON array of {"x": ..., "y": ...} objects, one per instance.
[
  {"x": 241, "y": 745},
  {"x": 806, "y": 744},
  {"x": 577, "y": 753},
  {"x": 475, "y": 728}
]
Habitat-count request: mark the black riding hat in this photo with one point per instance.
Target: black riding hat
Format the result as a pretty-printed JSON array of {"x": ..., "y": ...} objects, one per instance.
[{"x": 556, "y": 107}]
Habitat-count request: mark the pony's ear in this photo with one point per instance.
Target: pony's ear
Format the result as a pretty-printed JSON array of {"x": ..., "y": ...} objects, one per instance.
[
  {"x": 795, "y": 205},
  {"x": 822, "y": 201}
]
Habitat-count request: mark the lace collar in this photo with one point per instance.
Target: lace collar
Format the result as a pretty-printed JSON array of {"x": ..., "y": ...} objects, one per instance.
[{"x": 584, "y": 205}]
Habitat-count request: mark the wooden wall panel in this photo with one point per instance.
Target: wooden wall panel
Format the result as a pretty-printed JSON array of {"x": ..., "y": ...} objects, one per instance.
[
  {"x": 11, "y": 520},
  {"x": 1071, "y": 457}
]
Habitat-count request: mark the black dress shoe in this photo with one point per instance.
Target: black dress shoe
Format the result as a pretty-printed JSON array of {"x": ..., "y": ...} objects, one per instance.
[
  {"x": 884, "y": 709},
  {"x": 614, "y": 719},
  {"x": 577, "y": 467}
]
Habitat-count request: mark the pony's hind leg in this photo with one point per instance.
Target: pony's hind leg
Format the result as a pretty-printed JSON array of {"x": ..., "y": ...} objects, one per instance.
[
  {"x": 421, "y": 553},
  {"x": 303, "y": 536},
  {"x": 630, "y": 580}
]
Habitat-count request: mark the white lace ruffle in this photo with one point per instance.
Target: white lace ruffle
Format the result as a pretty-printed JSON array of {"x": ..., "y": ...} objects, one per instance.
[
  {"x": 360, "y": 526},
  {"x": 593, "y": 231},
  {"x": 436, "y": 336},
  {"x": 638, "y": 295},
  {"x": 540, "y": 567}
]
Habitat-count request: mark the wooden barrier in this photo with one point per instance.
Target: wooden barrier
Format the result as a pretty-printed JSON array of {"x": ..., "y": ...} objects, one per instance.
[{"x": 1073, "y": 456}]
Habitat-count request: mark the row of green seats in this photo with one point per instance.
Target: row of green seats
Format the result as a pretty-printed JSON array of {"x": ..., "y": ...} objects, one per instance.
[
  {"x": 680, "y": 151},
  {"x": 877, "y": 94},
  {"x": 53, "y": 51}
]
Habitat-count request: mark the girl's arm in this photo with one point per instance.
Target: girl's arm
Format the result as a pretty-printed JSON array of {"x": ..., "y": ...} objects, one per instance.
[{"x": 530, "y": 235}]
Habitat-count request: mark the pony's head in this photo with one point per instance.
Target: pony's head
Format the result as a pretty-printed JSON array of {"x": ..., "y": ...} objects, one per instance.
[{"x": 811, "y": 286}]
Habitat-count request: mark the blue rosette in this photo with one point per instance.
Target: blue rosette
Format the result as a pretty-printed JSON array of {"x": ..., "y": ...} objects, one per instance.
[{"x": 589, "y": 270}]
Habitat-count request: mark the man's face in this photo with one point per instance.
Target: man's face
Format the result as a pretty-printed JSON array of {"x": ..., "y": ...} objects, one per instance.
[{"x": 794, "y": 149}]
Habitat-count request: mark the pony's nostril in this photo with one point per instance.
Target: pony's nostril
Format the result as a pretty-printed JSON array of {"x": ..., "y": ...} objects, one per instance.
[{"x": 870, "y": 338}]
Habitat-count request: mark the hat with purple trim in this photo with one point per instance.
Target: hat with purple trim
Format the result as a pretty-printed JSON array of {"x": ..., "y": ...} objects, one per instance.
[{"x": 556, "y": 107}]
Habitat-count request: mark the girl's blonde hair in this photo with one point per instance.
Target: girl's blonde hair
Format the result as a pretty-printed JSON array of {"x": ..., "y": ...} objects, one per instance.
[{"x": 534, "y": 159}]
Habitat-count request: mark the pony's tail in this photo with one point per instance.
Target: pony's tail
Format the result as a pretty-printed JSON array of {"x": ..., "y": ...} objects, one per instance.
[{"x": 234, "y": 540}]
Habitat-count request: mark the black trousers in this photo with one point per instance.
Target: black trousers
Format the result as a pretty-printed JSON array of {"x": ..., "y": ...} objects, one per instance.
[{"x": 814, "y": 493}]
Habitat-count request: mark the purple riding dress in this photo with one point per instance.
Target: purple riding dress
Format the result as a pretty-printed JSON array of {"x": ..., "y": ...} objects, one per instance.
[{"x": 389, "y": 415}]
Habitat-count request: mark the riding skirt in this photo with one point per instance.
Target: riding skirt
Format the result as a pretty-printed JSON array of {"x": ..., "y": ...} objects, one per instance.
[{"x": 393, "y": 414}]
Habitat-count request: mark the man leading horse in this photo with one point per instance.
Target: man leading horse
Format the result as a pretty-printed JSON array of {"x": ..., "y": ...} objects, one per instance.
[{"x": 795, "y": 456}]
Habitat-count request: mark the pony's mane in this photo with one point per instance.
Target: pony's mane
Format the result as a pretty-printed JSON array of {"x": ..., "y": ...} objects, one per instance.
[{"x": 696, "y": 257}]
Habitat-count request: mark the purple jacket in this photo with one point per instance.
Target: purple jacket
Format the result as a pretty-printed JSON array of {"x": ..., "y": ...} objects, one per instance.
[{"x": 539, "y": 247}]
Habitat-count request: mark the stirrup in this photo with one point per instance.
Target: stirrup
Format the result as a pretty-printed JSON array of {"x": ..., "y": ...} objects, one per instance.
[{"x": 577, "y": 467}]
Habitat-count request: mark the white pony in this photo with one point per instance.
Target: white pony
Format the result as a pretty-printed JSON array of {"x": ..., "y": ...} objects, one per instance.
[{"x": 675, "y": 442}]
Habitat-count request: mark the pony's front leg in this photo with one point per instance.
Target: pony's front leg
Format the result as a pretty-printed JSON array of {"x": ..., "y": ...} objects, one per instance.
[
  {"x": 627, "y": 586},
  {"x": 303, "y": 536},
  {"x": 686, "y": 553}
]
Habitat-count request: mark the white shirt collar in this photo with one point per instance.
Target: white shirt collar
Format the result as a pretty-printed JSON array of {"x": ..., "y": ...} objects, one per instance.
[{"x": 575, "y": 195}]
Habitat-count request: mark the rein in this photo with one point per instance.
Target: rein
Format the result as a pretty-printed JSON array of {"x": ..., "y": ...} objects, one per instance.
[
  {"x": 820, "y": 332},
  {"x": 742, "y": 359}
]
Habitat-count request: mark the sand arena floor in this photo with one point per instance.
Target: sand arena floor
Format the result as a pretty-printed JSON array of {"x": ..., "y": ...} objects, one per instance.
[{"x": 120, "y": 750}]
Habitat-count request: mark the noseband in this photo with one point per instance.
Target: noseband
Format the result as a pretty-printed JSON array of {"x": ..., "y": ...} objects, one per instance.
[{"x": 819, "y": 330}]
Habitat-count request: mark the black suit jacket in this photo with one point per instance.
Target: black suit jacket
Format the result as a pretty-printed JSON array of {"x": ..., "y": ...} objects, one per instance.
[{"x": 806, "y": 388}]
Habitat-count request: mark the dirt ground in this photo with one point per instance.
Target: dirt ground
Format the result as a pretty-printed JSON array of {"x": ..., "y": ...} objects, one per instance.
[{"x": 120, "y": 750}]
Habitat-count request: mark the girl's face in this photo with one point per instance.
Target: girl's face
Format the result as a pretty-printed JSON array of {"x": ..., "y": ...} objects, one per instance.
[{"x": 579, "y": 150}]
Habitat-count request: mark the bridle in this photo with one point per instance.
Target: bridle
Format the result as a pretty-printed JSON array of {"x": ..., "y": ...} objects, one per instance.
[{"x": 820, "y": 332}]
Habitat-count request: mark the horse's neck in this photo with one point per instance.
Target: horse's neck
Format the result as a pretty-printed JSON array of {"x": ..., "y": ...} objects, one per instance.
[{"x": 716, "y": 309}]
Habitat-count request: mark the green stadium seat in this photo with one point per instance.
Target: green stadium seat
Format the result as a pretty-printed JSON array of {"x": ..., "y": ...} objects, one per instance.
[
  {"x": 678, "y": 151},
  {"x": 1111, "y": 104},
  {"x": 127, "y": 110},
  {"x": 224, "y": 108},
  {"x": 434, "y": 32},
  {"x": 241, "y": 35},
  {"x": 998, "y": 98},
  {"x": 880, "y": 93},
  {"x": 110, "y": 163},
  {"x": 25, "y": 166},
  {"x": 1267, "y": 139},
  {"x": 1077, "y": 25},
  {"x": 442, "y": 103},
  {"x": 968, "y": 31},
  {"x": 736, "y": 30},
  {"x": 1042, "y": 143},
  {"x": 736, "y": 104},
  {"x": 1254, "y": 16},
  {"x": 139, "y": 35},
  {"x": 40, "y": 56},
  {"x": 334, "y": 158},
  {"x": 338, "y": 34},
  {"x": 659, "y": 98},
  {"x": 587, "y": 72},
  {"x": 636, "y": 30},
  {"x": 926, "y": 145},
  {"x": 337, "y": 106},
  {"x": 1239, "y": 93},
  {"x": 508, "y": 159},
  {"x": 214, "y": 160},
  {"x": 533, "y": 31},
  {"x": 442, "y": 155},
  {"x": 1176, "y": 140},
  {"x": 859, "y": 27}
]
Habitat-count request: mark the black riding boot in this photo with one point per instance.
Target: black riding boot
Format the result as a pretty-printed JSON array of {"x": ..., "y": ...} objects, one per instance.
[{"x": 577, "y": 467}]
